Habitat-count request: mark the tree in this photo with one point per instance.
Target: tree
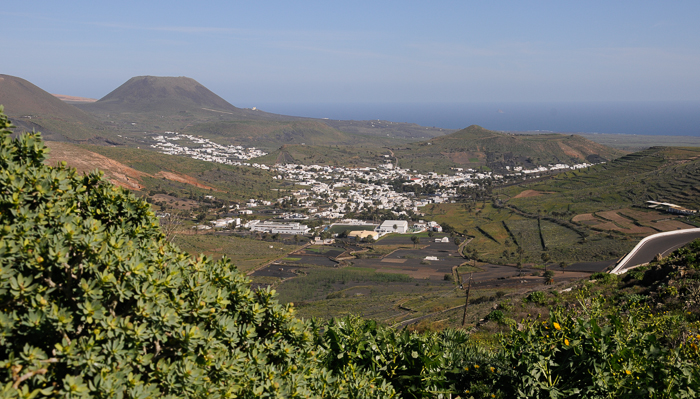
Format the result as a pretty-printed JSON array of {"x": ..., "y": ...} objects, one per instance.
[
  {"x": 520, "y": 252},
  {"x": 548, "y": 277},
  {"x": 96, "y": 303},
  {"x": 416, "y": 240},
  {"x": 171, "y": 224},
  {"x": 545, "y": 259}
]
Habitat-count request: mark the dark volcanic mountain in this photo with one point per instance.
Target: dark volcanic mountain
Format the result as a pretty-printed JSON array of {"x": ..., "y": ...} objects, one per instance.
[
  {"x": 31, "y": 108},
  {"x": 160, "y": 94}
]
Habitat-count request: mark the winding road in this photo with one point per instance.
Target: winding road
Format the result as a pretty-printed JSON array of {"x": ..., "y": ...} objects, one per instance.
[{"x": 649, "y": 247}]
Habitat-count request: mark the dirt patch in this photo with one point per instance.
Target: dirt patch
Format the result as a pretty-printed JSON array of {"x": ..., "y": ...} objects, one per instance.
[
  {"x": 584, "y": 217},
  {"x": 531, "y": 193},
  {"x": 184, "y": 179},
  {"x": 621, "y": 224},
  {"x": 614, "y": 217},
  {"x": 388, "y": 260},
  {"x": 176, "y": 203},
  {"x": 86, "y": 161},
  {"x": 465, "y": 158},
  {"x": 642, "y": 216},
  {"x": 570, "y": 151},
  {"x": 668, "y": 225},
  {"x": 74, "y": 99}
]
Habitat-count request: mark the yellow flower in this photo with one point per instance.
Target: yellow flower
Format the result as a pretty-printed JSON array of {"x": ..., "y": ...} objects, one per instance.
[
  {"x": 476, "y": 366},
  {"x": 628, "y": 372},
  {"x": 566, "y": 342},
  {"x": 492, "y": 369},
  {"x": 556, "y": 325}
]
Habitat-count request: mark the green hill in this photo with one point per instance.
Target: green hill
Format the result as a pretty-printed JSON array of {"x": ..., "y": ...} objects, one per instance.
[
  {"x": 475, "y": 147},
  {"x": 31, "y": 108},
  {"x": 665, "y": 174}
]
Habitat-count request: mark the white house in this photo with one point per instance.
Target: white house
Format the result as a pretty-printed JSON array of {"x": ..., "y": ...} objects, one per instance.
[
  {"x": 281, "y": 228},
  {"x": 393, "y": 226}
]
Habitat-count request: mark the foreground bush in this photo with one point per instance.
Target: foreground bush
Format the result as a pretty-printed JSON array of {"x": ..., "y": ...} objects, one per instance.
[
  {"x": 595, "y": 357},
  {"x": 417, "y": 365},
  {"x": 95, "y": 303}
]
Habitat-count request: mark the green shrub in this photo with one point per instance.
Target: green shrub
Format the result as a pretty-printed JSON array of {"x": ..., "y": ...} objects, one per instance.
[
  {"x": 584, "y": 357},
  {"x": 428, "y": 365},
  {"x": 95, "y": 303},
  {"x": 537, "y": 297},
  {"x": 605, "y": 278},
  {"x": 505, "y": 306},
  {"x": 496, "y": 315}
]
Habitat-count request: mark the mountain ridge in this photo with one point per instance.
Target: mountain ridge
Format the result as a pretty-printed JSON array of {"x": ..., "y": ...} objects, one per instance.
[{"x": 32, "y": 108}]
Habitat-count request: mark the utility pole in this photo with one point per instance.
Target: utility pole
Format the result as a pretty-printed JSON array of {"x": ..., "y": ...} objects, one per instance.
[{"x": 466, "y": 303}]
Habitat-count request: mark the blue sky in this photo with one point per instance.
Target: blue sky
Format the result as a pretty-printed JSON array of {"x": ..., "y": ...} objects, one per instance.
[{"x": 356, "y": 51}]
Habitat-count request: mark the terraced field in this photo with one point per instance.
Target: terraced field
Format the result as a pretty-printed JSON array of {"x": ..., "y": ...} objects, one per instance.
[
  {"x": 659, "y": 173},
  {"x": 556, "y": 236},
  {"x": 526, "y": 232},
  {"x": 632, "y": 222}
]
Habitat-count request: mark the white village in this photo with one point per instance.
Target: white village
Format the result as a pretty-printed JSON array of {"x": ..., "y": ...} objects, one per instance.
[{"x": 329, "y": 193}]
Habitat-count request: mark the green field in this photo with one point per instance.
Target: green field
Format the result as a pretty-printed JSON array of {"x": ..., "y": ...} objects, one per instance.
[
  {"x": 245, "y": 253},
  {"x": 318, "y": 282}
]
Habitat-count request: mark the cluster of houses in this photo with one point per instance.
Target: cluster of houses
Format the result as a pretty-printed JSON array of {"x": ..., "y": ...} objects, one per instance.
[
  {"x": 206, "y": 150},
  {"x": 332, "y": 192},
  {"x": 518, "y": 170},
  {"x": 357, "y": 229}
]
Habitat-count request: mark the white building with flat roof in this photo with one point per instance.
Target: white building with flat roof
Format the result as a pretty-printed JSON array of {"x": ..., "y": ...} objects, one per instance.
[
  {"x": 281, "y": 228},
  {"x": 393, "y": 226}
]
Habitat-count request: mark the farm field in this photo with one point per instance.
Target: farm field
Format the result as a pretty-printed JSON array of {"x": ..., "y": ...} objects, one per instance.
[
  {"x": 632, "y": 222},
  {"x": 339, "y": 228},
  {"x": 391, "y": 282},
  {"x": 245, "y": 253}
]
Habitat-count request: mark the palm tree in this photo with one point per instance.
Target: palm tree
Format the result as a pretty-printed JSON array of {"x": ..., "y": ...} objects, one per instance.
[
  {"x": 416, "y": 240},
  {"x": 545, "y": 258},
  {"x": 520, "y": 252}
]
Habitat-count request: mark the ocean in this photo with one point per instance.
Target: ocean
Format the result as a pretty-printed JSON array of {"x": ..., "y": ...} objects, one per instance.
[{"x": 674, "y": 118}]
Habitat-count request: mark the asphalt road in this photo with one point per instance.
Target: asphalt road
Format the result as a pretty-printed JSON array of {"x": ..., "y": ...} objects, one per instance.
[{"x": 662, "y": 244}]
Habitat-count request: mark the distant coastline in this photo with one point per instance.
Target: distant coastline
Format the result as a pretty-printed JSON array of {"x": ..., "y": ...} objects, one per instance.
[{"x": 675, "y": 118}]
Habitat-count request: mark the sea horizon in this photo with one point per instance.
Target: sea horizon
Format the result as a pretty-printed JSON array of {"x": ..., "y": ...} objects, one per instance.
[{"x": 670, "y": 118}]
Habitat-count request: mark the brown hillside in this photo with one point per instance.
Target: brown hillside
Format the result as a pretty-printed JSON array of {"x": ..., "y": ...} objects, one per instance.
[
  {"x": 116, "y": 172},
  {"x": 29, "y": 107}
]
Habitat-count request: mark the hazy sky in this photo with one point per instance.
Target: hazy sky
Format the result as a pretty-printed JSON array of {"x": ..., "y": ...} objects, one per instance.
[{"x": 363, "y": 51}]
